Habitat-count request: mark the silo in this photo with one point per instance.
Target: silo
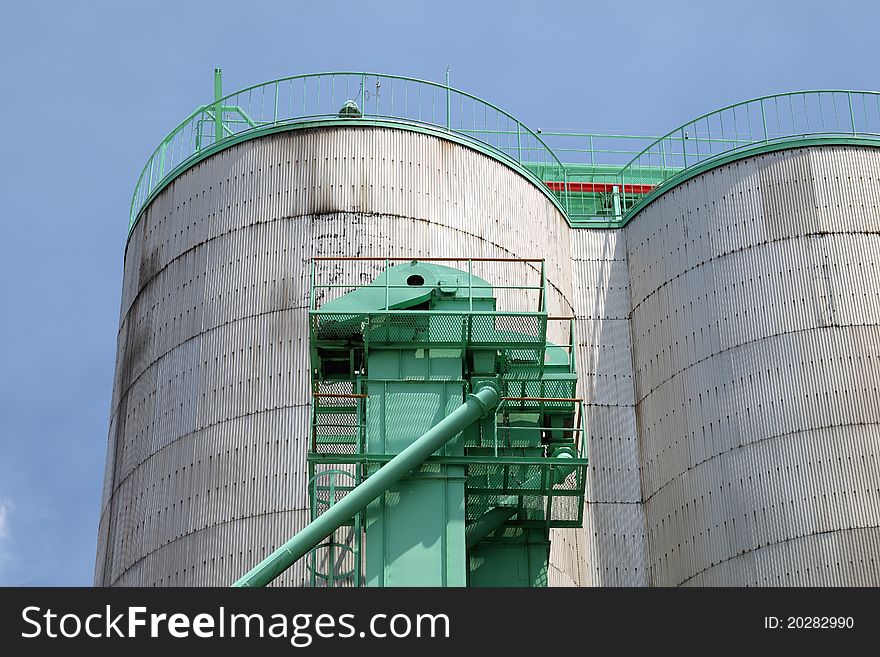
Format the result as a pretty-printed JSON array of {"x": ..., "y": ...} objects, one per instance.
[
  {"x": 755, "y": 316},
  {"x": 206, "y": 470}
]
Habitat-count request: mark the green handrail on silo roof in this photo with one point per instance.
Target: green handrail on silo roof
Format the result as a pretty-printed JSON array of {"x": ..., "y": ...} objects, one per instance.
[
  {"x": 262, "y": 107},
  {"x": 762, "y": 124}
]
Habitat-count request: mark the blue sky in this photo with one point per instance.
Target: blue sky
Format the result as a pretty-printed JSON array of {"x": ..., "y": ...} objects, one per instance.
[{"x": 90, "y": 88}]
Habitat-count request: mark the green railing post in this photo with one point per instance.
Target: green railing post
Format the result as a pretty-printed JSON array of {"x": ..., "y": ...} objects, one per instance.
[
  {"x": 218, "y": 106},
  {"x": 566, "y": 197},
  {"x": 448, "y": 103},
  {"x": 150, "y": 179},
  {"x": 764, "y": 121},
  {"x": 519, "y": 142},
  {"x": 162, "y": 158},
  {"x": 198, "y": 128},
  {"x": 542, "y": 304},
  {"x": 379, "y": 95},
  {"x": 387, "y": 264},
  {"x": 470, "y": 285},
  {"x": 684, "y": 155},
  {"x": 363, "y": 92},
  {"x": 663, "y": 159},
  {"x": 852, "y": 116}
]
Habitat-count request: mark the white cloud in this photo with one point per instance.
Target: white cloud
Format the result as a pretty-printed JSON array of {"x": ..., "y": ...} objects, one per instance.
[
  {"x": 6, "y": 508},
  {"x": 7, "y": 557}
]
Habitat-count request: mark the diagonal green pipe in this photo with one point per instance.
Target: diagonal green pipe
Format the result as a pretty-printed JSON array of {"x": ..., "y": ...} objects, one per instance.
[{"x": 476, "y": 406}]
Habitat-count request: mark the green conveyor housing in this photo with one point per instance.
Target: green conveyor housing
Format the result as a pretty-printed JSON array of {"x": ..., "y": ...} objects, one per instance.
[{"x": 456, "y": 428}]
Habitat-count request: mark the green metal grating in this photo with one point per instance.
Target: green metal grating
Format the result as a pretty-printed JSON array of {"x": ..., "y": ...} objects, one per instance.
[
  {"x": 492, "y": 484},
  {"x": 525, "y": 333}
]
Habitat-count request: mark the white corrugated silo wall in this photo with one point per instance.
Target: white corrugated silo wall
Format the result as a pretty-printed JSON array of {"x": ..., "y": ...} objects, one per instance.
[
  {"x": 755, "y": 305},
  {"x": 614, "y": 525}
]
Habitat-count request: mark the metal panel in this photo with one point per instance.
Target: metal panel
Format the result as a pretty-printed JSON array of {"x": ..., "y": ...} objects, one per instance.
[
  {"x": 848, "y": 555},
  {"x": 756, "y": 344},
  {"x": 205, "y": 466},
  {"x": 614, "y": 534},
  {"x": 615, "y": 545}
]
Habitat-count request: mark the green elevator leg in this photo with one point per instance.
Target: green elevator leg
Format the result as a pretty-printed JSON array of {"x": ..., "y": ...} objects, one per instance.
[{"x": 415, "y": 532}]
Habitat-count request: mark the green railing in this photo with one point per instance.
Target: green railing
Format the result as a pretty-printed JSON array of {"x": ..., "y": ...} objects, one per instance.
[
  {"x": 752, "y": 124},
  {"x": 592, "y": 148},
  {"x": 604, "y": 180},
  {"x": 337, "y": 97}
]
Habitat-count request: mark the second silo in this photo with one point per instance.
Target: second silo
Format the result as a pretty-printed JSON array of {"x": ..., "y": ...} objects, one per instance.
[{"x": 756, "y": 343}]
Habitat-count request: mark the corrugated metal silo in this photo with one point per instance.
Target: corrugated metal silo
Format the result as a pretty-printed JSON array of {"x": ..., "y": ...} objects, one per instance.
[
  {"x": 755, "y": 301},
  {"x": 206, "y": 468}
]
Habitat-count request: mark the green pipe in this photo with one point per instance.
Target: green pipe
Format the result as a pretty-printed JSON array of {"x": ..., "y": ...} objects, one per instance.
[
  {"x": 476, "y": 406},
  {"x": 508, "y": 507},
  {"x": 560, "y": 472}
]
